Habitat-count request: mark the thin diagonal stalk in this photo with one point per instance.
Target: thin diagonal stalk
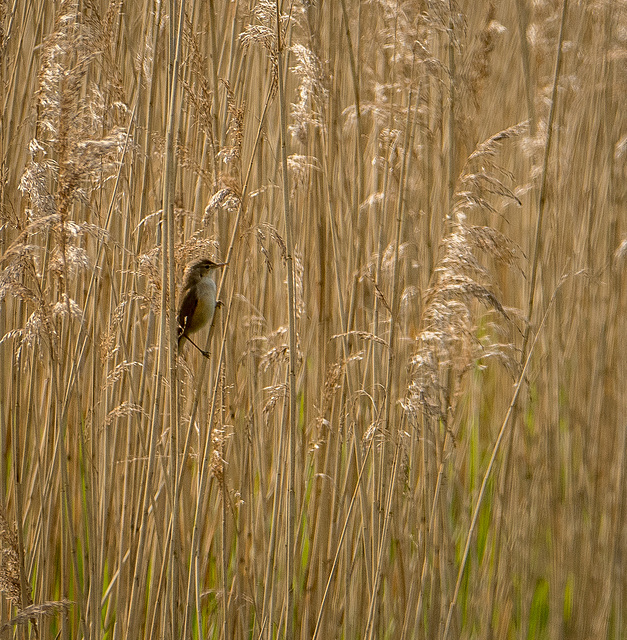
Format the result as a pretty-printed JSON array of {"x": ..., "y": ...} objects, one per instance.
[
  {"x": 341, "y": 540},
  {"x": 370, "y": 625},
  {"x": 360, "y": 164},
  {"x": 229, "y": 255},
  {"x": 543, "y": 186},
  {"x": 488, "y": 472},
  {"x": 506, "y": 478},
  {"x": 202, "y": 484},
  {"x": 267, "y": 610},
  {"x": 451, "y": 108},
  {"x": 400, "y": 212}
]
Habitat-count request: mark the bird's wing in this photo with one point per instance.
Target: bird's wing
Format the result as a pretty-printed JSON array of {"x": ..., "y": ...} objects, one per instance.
[{"x": 186, "y": 312}]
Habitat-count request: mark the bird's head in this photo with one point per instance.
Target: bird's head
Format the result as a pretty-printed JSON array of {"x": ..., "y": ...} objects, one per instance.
[{"x": 199, "y": 269}]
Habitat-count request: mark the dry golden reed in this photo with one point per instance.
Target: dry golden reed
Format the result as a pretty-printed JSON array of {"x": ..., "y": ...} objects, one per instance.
[{"x": 412, "y": 423}]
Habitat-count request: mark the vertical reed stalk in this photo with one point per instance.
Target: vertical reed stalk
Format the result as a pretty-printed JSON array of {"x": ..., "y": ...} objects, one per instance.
[
  {"x": 289, "y": 259},
  {"x": 168, "y": 268}
]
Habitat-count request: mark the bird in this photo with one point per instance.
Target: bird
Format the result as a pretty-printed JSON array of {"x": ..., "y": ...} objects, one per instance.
[{"x": 198, "y": 300}]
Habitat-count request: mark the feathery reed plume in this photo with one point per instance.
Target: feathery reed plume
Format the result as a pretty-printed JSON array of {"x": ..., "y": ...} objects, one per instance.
[
  {"x": 263, "y": 32},
  {"x": 71, "y": 153},
  {"x": 447, "y": 345},
  {"x": 9, "y": 564},
  {"x": 229, "y": 196},
  {"x": 231, "y": 153},
  {"x": 476, "y": 69},
  {"x": 45, "y": 609},
  {"x": 198, "y": 90},
  {"x": 312, "y": 93}
]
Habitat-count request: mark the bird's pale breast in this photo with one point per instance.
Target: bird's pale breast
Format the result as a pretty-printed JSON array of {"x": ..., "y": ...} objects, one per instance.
[{"x": 206, "y": 304}]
